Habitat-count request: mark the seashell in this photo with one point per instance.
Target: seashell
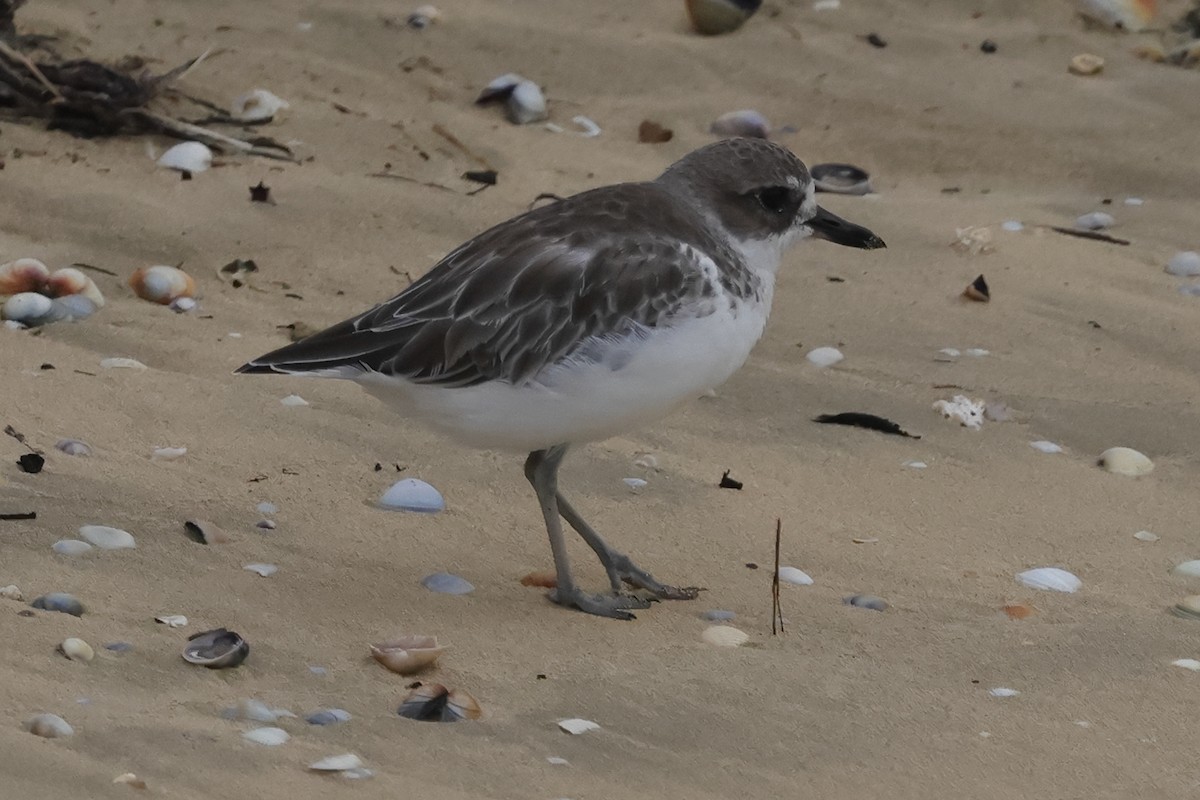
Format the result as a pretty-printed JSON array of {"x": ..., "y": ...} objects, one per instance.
[
  {"x": 1187, "y": 663},
  {"x": 70, "y": 281},
  {"x": 1095, "y": 221},
  {"x": 266, "y": 524},
  {"x": 407, "y": 654},
  {"x": 1146, "y": 536},
  {"x": 204, "y": 532},
  {"x": 1085, "y": 64},
  {"x": 714, "y": 17},
  {"x": 1003, "y": 691},
  {"x": 589, "y": 127},
  {"x": 526, "y": 103},
  {"x": 646, "y": 461},
  {"x": 432, "y": 702},
  {"x": 499, "y": 89},
  {"x": 1019, "y": 611},
  {"x": 1125, "y": 461},
  {"x": 70, "y": 547},
  {"x": 1012, "y": 226},
  {"x": 724, "y": 636},
  {"x": 107, "y": 538},
  {"x": 915, "y": 465},
  {"x": 997, "y": 412},
  {"x": 265, "y": 570},
  {"x": 31, "y": 310},
  {"x": 77, "y": 650},
  {"x": 49, "y": 726},
  {"x": 216, "y": 649},
  {"x": 60, "y": 602},
  {"x": 73, "y": 447},
  {"x": 967, "y": 412},
  {"x": 978, "y": 290},
  {"x": 267, "y": 508},
  {"x": 976, "y": 352},
  {"x": 1051, "y": 579},
  {"x": 328, "y": 716},
  {"x": 172, "y": 620},
  {"x": 22, "y": 275},
  {"x": 794, "y": 576},
  {"x": 187, "y": 157},
  {"x": 718, "y": 615},
  {"x": 826, "y": 5},
  {"x": 1188, "y": 569},
  {"x": 118, "y": 647},
  {"x": 130, "y": 779},
  {"x": 182, "y": 305},
  {"x": 867, "y": 601},
  {"x": 412, "y": 494},
  {"x": 293, "y": 401},
  {"x": 544, "y": 580},
  {"x": 168, "y": 453},
  {"x": 11, "y": 592},
  {"x": 340, "y": 763},
  {"x": 1150, "y": 52},
  {"x": 255, "y": 710},
  {"x": 634, "y": 483},
  {"x": 1042, "y": 446},
  {"x": 746, "y": 122},
  {"x": 423, "y": 17},
  {"x": 841, "y": 179},
  {"x": 271, "y": 737},
  {"x": 1185, "y": 264},
  {"x": 445, "y": 583},
  {"x": 1123, "y": 15},
  {"x": 257, "y": 105},
  {"x": 576, "y": 726},
  {"x": 1188, "y": 607},
  {"x": 161, "y": 284},
  {"x": 557, "y": 761},
  {"x": 121, "y": 363},
  {"x": 824, "y": 356}
]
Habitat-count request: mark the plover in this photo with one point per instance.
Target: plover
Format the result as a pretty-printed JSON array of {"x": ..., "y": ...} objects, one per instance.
[{"x": 585, "y": 318}]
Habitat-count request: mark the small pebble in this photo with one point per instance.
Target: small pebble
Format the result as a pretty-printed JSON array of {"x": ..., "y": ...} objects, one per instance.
[
  {"x": 412, "y": 494},
  {"x": 557, "y": 761},
  {"x": 718, "y": 615},
  {"x": 266, "y": 524},
  {"x": 265, "y": 570},
  {"x": 1185, "y": 264},
  {"x": 1095, "y": 221},
  {"x": 794, "y": 576},
  {"x": 271, "y": 737},
  {"x": 1146, "y": 536},
  {"x": 118, "y": 647},
  {"x": 1191, "y": 290},
  {"x": 293, "y": 401},
  {"x": 1125, "y": 461},
  {"x": 107, "y": 538},
  {"x": 73, "y": 447},
  {"x": 747, "y": 123},
  {"x": 977, "y": 352},
  {"x": 49, "y": 726},
  {"x": 825, "y": 356},
  {"x": 950, "y": 352},
  {"x": 988, "y": 46},
  {"x": 445, "y": 583},
  {"x": 70, "y": 547},
  {"x": 1003, "y": 691},
  {"x": 867, "y": 601},
  {"x": 576, "y": 726},
  {"x": 1045, "y": 447},
  {"x": 634, "y": 483},
  {"x": 319, "y": 671},
  {"x": 77, "y": 650},
  {"x": 337, "y": 763},
  {"x": 1134, "y": 201},
  {"x": 328, "y": 716},
  {"x": 182, "y": 305},
  {"x": 59, "y": 601},
  {"x": 1012, "y": 225},
  {"x": 915, "y": 464}
]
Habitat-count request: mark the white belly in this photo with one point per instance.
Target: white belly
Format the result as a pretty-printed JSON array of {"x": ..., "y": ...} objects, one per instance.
[{"x": 588, "y": 402}]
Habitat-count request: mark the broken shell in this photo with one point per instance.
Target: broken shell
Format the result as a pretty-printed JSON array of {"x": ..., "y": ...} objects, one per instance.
[
  {"x": 168, "y": 453},
  {"x": 407, "y": 654},
  {"x": 130, "y": 779},
  {"x": 1188, "y": 569},
  {"x": 59, "y": 601},
  {"x": 107, "y": 538},
  {"x": 544, "y": 580},
  {"x": 70, "y": 547},
  {"x": 187, "y": 157},
  {"x": 172, "y": 620},
  {"x": 867, "y": 601},
  {"x": 841, "y": 179},
  {"x": 412, "y": 494},
  {"x": 22, "y": 275},
  {"x": 216, "y": 649},
  {"x": 968, "y": 413},
  {"x": 526, "y": 103},
  {"x": 32, "y": 309},
  {"x": 746, "y": 122},
  {"x": 714, "y": 17},
  {"x": 1086, "y": 64},
  {"x": 162, "y": 284},
  {"x": 262, "y": 570},
  {"x": 724, "y": 636},
  {"x": 1185, "y": 264},
  {"x": 1003, "y": 691},
  {"x": 1019, "y": 611},
  {"x": 122, "y": 363},
  {"x": 271, "y": 737},
  {"x": 1188, "y": 607},
  {"x": 1044, "y": 446},
  {"x": 77, "y": 650},
  {"x": 258, "y": 105},
  {"x": 824, "y": 356},
  {"x": 204, "y": 532},
  {"x": 328, "y": 716},
  {"x": 794, "y": 576},
  {"x": 73, "y": 447},
  {"x": 1051, "y": 579},
  {"x": 70, "y": 281},
  {"x": 1124, "y": 15},
  {"x": 447, "y": 583},
  {"x": 499, "y": 89},
  {"x": 1095, "y": 221},
  {"x": 978, "y": 291},
  {"x": 1125, "y": 461},
  {"x": 576, "y": 726},
  {"x": 423, "y": 17},
  {"x": 432, "y": 702},
  {"x": 337, "y": 763},
  {"x": 11, "y": 592},
  {"x": 49, "y": 726},
  {"x": 1187, "y": 663}
]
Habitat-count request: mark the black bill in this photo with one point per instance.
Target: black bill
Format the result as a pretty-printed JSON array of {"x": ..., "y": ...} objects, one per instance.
[{"x": 834, "y": 229}]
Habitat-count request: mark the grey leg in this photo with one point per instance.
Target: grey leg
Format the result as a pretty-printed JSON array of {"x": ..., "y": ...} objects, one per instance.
[
  {"x": 541, "y": 468},
  {"x": 620, "y": 567}
]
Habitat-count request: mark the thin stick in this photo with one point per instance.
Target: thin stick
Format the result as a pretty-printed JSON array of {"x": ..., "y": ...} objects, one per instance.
[
  {"x": 186, "y": 130},
  {"x": 94, "y": 268},
  {"x": 776, "y": 608},
  {"x": 19, "y": 515},
  {"x": 1093, "y": 235},
  {"x": 33, "y": 70},
  {"x": 454, "y": 140},
  {"x": 407, "y": 179}
]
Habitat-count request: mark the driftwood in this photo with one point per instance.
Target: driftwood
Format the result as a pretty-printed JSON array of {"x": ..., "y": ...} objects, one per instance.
[{"x": 90, "y": 100}]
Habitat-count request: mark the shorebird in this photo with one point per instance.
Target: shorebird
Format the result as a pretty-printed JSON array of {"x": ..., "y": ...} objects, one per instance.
[{"x": 585, "y": 318}]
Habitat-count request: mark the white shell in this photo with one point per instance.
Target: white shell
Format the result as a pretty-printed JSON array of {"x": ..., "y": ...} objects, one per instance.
[
  {"x": 50, "y": 726},
  {"x": 824, "y": 356},
  {"x": 77, "y": 307},
  {"x": 589, "y": 126},
  {"x": 1188, "y": 569},
  {"x": 412, "y": 494},
  {"x": 634, "y": 483},
  {"x": 77, "y": 650},
  {"x": 827, "y": 5},
  {"x": 576, "y": 726},
  {"x": 967, "y": 412},
  {"x": 11, "y": 592},
  {"x": 1045, "y": 447},
  {"x": 1146, "y": 536},
  {"x": 187, "y": 157},
  {"x": 977, "y": 352},
  {"x": 1187, "y": 663},
  {"x": 526, "y": 103},
  {"x": 121, "y": 363},
  {"x": 168, "y": 453},
  {"x": 1185, "y": 264},
  {"x": 724, "y": 636},
  {"x": 1003, "y": 691},
  {"x": 265, "y": 570},
  {"x": 1095, "y": 221},
  {"x": 172, "y": 620},
  {"x": 1012, "y": 225},
  {"x": 950, "y": 352},
  {"x": 272, "y": 737},
  {"x": 794, "y": 576},
  {"x": 746, "y": 122},
  {"x": 337, "y": 763},
  {"x": 70, "y": 547},
  {"x": 915, "y": 465},
  {"x": 32, "y": 309},
  {"x": 162, "y": 284},
  {"x": 293, "y": 401},
  {"x": 258, "y": 105},
  {"x": 1051, "y": 579},
  {"x": 1126, "y": 461},
  {"x": 107, "y": 538}
]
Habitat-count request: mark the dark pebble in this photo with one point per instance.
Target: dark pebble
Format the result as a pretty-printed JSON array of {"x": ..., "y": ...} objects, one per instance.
[{"x": 988, "y": 46}]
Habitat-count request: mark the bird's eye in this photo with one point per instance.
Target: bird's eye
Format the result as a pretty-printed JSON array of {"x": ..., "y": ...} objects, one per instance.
[{"x": 775, "y": 199}]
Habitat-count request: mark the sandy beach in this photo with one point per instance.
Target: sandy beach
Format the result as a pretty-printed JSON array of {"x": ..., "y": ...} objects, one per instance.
[{"x": 1092, "y": 345}]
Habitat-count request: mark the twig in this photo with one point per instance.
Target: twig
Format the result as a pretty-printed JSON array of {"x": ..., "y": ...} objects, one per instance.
[
  {"x": 33, "y": 70},
  {"x": 454, "y": 140},
  {"x": 9, "y": 430},
  {"x": 1093, "y": 235},
  {"x": 101, "y": 270},
  {"x": 776, "y": 608},
  {"x": 18, "y": 515},
  {"x": 394, "y": 176},
  {"x": 186, "y": 130},
  {"x": 178, "y": 72}
]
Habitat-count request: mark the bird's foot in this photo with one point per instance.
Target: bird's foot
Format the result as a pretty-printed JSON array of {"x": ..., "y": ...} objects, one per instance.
[
  {"x": 615, "y": 606},
  {"x": 625, "y": 570}
]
